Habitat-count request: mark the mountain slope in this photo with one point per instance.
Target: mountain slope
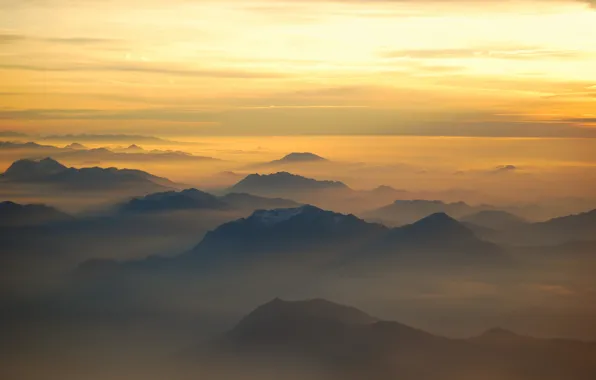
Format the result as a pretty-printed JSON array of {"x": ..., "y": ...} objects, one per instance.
[
  {"x": 283, "y": 183},
  {"x": 403, "y": 212},
  {"x": 349, "y": 344},
  {"x": 189, "y": 199},
  {"x": 494, "y": 219},
  {"x": 14, "y": 214},
  {"x": 50, "y": 171}
]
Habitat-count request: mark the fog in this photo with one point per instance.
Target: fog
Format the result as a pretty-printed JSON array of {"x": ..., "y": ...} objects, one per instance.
[{"x": 152, "y": 292}]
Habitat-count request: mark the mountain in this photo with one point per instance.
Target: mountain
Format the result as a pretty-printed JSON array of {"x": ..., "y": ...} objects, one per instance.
[
  {"x": 188, "y": 199},
  {"x": 134, "y": 149},
  {"x": 349, "y": 344},
  {"x": 109, "y": 138},
  {"x": 438, "y": 239},
  {"x": 50, "y": 171},
  {"x": 33, "y": 170},
  {"x": 554, "y": 232},
  {"x": 14, "y": 214},
  {"x": 306, "y": 229},
  {"x": 283, "y": 183},
  {"x": 193, "y": 199},
  {"x": 75, "y": 146},
  {"x": 494, "y": 219},
  {"x": 8, "y": 145},
  {"x": 408, "y": 211},
  {"x": 12, "y": 134},
  {"x": 299, "y": 157}
]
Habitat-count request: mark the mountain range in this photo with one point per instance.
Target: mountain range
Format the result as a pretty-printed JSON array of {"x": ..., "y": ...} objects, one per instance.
[
  {"x": 14, "y": 214},
  {"x": 282, "y": 184},
  {"x": 319, "y": 239},
  {"x": 346, "y": 343},
  {"x": 402, "y": 212},
  {"x": 193, "y": 199},
  {"x": 50, "y": 172},
  {"x": 76, "y": 152}
]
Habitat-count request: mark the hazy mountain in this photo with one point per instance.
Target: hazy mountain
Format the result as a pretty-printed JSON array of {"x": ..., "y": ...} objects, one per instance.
[
  {"x": 14, "y": 214},
  {"x": 553, "y": 232},
  {"x": 132, "y": 153},
  {"x": 33, "y": 170},
  {"x": 50, "y": 171},
  {"x": 75, "y": 145},
  {"x": 8, "y": 145},
  {"x": 193, "y": 199},
  {"x": 188, "y": 199},
  {"x": 438, "y": 239},
  {"x": 287, "y": 230},
  {"x": 495, "y": 219},
  {"x": 349, "y": 344},
  {"x": 299, "y": 157},
  {"x": 109, "y": 138},
  {"x": 12, "y": 134},
  {"x": 283, "y": 183},
  {"x": 408, "y": 211}
]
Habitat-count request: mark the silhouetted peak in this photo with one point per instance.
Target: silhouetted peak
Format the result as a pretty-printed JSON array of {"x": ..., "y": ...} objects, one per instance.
[
  {"x": 278, "y": 310},
  {"x": 75, "y": 145},
  {"x": 135, "y": 148},
  {"x": 30, "y": 169},
  {"x": 438, "y": 218},
  {"x": 301, "y": 157},
  {"x": 283, "y": 180}
]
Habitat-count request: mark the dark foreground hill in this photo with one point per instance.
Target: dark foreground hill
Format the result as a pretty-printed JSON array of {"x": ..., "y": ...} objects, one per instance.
[{"x": 345, "y": 343}]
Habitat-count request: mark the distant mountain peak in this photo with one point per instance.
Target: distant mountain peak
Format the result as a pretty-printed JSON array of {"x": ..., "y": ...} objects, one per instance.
[
  {"x": 301, "y": 314},
  {"x": 438, "y": 218},
  {"x": 301, "y": 157},
  {"x": 28, "y": 169},
  {"x": 75, "y": 145},
  {"x": 283, "y": 181}
]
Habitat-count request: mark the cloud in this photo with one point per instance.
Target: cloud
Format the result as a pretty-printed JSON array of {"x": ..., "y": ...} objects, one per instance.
[
  {"x": 11, "y": 38},
  {"x": 585, "y": 120},
  {"x": 145, "y": 68},
  {"x": 509, "y": 53}
]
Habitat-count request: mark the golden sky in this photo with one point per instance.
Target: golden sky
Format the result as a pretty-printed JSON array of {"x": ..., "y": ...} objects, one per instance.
[{"x": 224, "y": 67}]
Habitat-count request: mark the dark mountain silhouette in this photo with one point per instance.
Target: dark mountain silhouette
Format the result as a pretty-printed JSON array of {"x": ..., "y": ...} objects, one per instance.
[
  {"x": 349, "y": 344},
  {"x": 285, "y": 231},
  {"x": 576, "y": 224},
  {"x": 8, "y": 145},
  {"x": 495, "y": 219},
  {"x": 438, "y": 239},
  {"x": 553, "y": 232},
  {"x": 283, "y": 183},
  {"x": 188, "y": 199},
  {"x": 33, "y": 170},
  {"x": 299, "y": 157},
  {"x": 50, "y": 171},
  {"x": 407, "y": 211},
  {"x": 14, "y": 214},
  {"x": 134, "y": 148},
  {"x": 193, "y": 199}
]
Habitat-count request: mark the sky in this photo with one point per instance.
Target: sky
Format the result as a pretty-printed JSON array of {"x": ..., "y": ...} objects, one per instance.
[{"x": 522, "y": 68}]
